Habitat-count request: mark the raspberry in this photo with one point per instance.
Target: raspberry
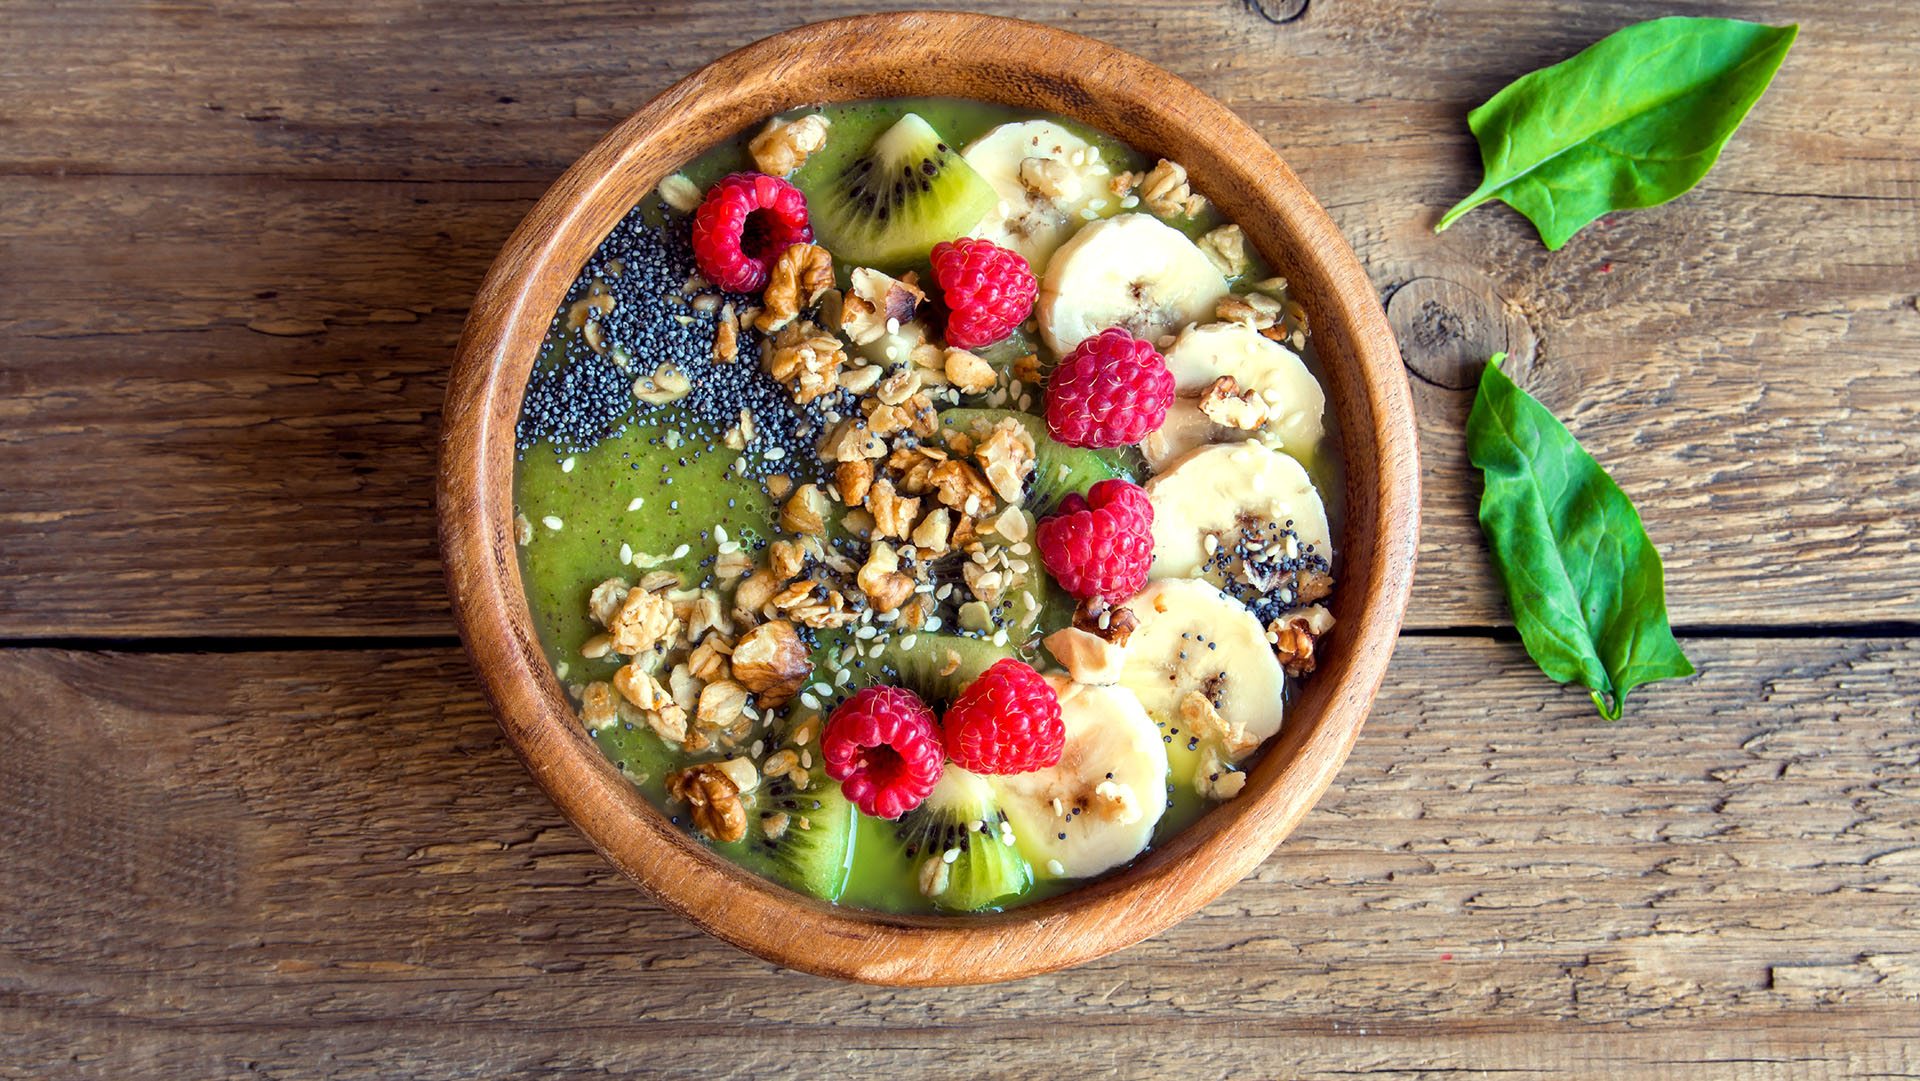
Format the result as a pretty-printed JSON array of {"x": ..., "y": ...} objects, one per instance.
[
  {"x": 747, "y": 220},
  {"x": 1110, "y": 391},
  {"x": 1100, "y": 545},
  {"x": 1006, "y": 721},
  {"x": 884, "y": 749},
  {"x": 988, "y": 289}
]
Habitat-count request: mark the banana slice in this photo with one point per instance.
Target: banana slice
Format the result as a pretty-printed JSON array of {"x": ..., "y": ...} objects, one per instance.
[
  {"x": 1241, "y": 495},
  {"x": 1045, "y": 176},
  {"x": 1289, "y": 399},
  {"x": 1199, "y": 662},
  {"x": 1096, "y": 808},
  {"x": 1131, "y": 271}
]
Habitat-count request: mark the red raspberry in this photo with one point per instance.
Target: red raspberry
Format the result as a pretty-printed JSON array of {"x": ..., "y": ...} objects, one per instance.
[
  {"x": 1100, "y": 545},
  {"x": 884, "y": 749},
  {"x": 747, "y": 220},
  {"x": 988, "y": 289},
  {"x": 1110, "y": 391},
  {"x": 1006, "y": 721}
]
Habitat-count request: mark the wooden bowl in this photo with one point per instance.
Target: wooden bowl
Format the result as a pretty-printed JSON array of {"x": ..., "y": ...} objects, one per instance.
[{"x": 995, "y": 60}]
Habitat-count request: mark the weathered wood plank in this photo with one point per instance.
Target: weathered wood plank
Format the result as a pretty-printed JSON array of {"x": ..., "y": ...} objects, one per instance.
[{"x": 230, "y": 862}]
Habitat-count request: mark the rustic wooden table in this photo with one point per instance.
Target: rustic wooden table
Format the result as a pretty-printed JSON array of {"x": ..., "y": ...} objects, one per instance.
[{"x": 257, "y": 820}]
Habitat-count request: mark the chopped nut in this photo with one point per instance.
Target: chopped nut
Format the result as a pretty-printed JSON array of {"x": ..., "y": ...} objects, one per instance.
[
  {"x": 886, "y": 588},
  {"x": 930, "y": 536},
  {"x": 730, "y": 565},
  {"x": 893, "y": 515},
  {"x": 1027, "y": 368},
  {"x": 1007, "y": 456},
  {"x": 667, "y": 384},
  {"x": 1214, "y": 779},
  {"x": 858, "y": 522},
  {"x": 782, "y": 147},
  {"x": 721, "y": 703},
  {"x": 680, "y": 193},
  {"x": 960, "y": 486},
  {"x": 726, "y": 337},
  {"x": 522, "y": 530},
  {"x": 806, "y": 358},
  {"x": 987, "y": 585},
  {"x": 684, "y": 686},
  {"x": 775, "y": 825},
  {"x": 754, "y": 593},
  {"x": 1011, "y": 526},
  {"x": 965, "y": 533},
  {"x": 655, "y": 581},
  {"x": 1226, "y": 247},
  {"x": 785, "y": 559},
  {"x": 952, "y": 664},
  {"x": 1115, "y": 802},
  {"x": 1197, "y": 712},
  {"x": 960, "y": 444},
  {"x": 597, "y": 705},
  {"x": 596, "y": 647},
  {"x": 1050, "y": 178},
  {"x": 924, "y": 419},
  {"x": 606, "y": 599},
  {"x": 778, "y": 485},
  {"x": 781, "y": 763},
  {"x": 1225, "y": 404},
  {"x": 1295, "y": 634},
  {"x": 643, "y": 619},
  {"x": 884, "y": 420},
  {"x": 1087, "y": 657},
  {"x": 802, "y": 274},
  {"x": 876, "y": 302},
  {"x": 708, "y": 661},
  {"x": 1115, "y": 624},
  {"x": 1122, "y": 184},
  {"x": 853, "y": 479},
  {"x": 806, "y": 511},
  {"x": 640, "y": 688},
  {"x": 968, "y": 372},
  {"x": 1253, "y": 309},
  {"x": 1166, "y": 192},
  {"x": 772, "y": 662},
  {"x": 915, "y": 613},
  {"x": 741, "y": 772},
  {"x": 712, "y": 798},
  {"x": 914, "y": 468},
  {"x": 851, "y": 441},
  {"x": 860, "y": 380},
  {"x": 1312, "y": 586}
]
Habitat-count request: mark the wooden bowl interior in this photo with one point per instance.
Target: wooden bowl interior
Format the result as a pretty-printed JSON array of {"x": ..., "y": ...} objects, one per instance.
[{"x": 995, "y": 60}]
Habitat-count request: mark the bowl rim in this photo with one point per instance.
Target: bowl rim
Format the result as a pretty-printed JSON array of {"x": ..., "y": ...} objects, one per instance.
[{"x": 911, "y": 54}]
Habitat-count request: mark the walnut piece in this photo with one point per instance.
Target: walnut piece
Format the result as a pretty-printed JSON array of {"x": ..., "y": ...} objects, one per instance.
[
  {"x": 913, "y": 468},
  {"x": 726, "y": 337},
  {"x": 1227, "y": 248},
  {"x": 960, "y": 486},
  {"x": 1049, "y": 178},
  {"x": 886, "y": 588},
  {"x": 1115, "y": 625},
  {"x": 1295, "y": 634},
  {"x": 877, "y": 305},
  {"x": 1087, "y": 657},
  {"x": 1312, "y": 585},
  {"x": 781, "y": 147},
  {"x": 853, "y": 480},
  {"x": 802, "y": 274},
  {"x": 1116, "y": 803},
  {"x": 893, "y": 514},
  {"x": 785, "y": 558},
  {"x": 1199, "y": 716},
  {"x": 805, "y": 511},
  {"x": 708, "y": 661},
  {"x": 1166, "y": 192},
  {"x": 643, "y": 619},
  {"x": 1253, "y": 309},
  {"x": 712, "y": 798},
  {"x": 606, "y": 599},
  {"x": 597, "y": 706},
  {"x": 1007, "y": 458},
  {"x": 680, "y": 193},
  {"x": 1225, "y": 404},
  {"x": 721, "y": 704},
  {"x": 930, "y": 536},
  {"x": 851, "y": 441},
  {"x": 772, "y": 662},
  {"x": 807, "y": 359}
]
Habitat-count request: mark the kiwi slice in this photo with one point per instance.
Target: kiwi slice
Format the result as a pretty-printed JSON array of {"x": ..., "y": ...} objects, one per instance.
[
  {"x": 937, "y": 667},
  {"x": 814, "y": 854},
  {"x": 890, "y": 206},
  {"x": 953, "y": 841},
  {"x": 1058, "y": 468}
]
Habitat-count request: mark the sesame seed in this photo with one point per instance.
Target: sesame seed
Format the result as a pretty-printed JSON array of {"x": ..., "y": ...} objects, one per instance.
[
  {"x": 720, "y": 533},
  {"x": 823, "y": 688},
  {"x": 1053, "y": 866},
  {"x": 636, "y": 503},
  {"x": 950, "y": 855},
  {"x": 566, "y": 466},
  {"x": 681, "y": 552},
  {"x": 809, "y": 700},
  {"x": 729, "y": 547},
  {"x": 552, "y": 522},
  {"x": 626, "y": 554}
]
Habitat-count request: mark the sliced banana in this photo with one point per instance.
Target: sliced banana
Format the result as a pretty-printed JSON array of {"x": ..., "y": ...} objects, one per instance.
[
  {"x": 1096, "y": 808},
  {"x": 1131, "y": 271},
  {"x": 1045, "y": 176},
  {"x": 1210, "y": 501},
  {"x": 1289, "y": 397},
  {"x": 1199, "y": 662}
]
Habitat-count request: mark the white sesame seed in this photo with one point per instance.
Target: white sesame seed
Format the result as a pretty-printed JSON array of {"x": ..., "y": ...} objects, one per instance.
[
  {"x": 626, "y": 554},
  {"x": 1021, "y": 549},
  {"x": 1030, "y": 601},
  {"x": 1000, "y": 637},
  {"x": 729, "y": 547},
  {"x": 1088, "y": 213},
  {"x": 560, "y": 670},
  {"x": 758, "y": 746},
  {"x": 552, "y": 522},
  {"x": 566, "y": 466},
  {"x": 1026, "y": 402},
  {"x": 774, "y": 454},
  {"x": 893, "y": 325},
  {"x": 806, "y": 759},
  {"x": 943, "y": 592},
  {"x": 933, "y": 624},
  {"x": 908, "y": 641},
  {"x": 876, "y": 652},
  {"x": 636, "y": 503},
  {"x": 720, "y": 533},
  {"x": 1053, "y": 867},
  {"x": 823, "y": 688},
  {"x": 842, "y": 677},
  {"x": 681, "y": 552},
  {"x": 809, "y": 700},
  {"x": 950, "y": 855},
  {"x": 1130, "y": 201}
]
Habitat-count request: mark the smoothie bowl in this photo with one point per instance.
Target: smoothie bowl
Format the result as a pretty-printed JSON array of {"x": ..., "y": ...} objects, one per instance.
[{"x": 931, "y": 497}]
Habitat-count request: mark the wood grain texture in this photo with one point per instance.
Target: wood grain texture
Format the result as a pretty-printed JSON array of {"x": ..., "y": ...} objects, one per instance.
[
  {"x": 263, "y": 212},
  {"x": 329, "y": 863}
]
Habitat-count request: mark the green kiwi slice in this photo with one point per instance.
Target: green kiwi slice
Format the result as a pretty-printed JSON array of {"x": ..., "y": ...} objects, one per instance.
[
  {"x": 954, "y": 843},
  {"x": 937, "y": 667},
  {"x": 815, "y": 852},
  {"x": 890, "y": 206}
]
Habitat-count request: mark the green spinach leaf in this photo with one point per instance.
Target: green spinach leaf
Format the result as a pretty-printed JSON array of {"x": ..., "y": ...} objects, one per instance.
[
  {"x": 1632, "y": 121},
  {"x": 1585, "y": 583}
]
